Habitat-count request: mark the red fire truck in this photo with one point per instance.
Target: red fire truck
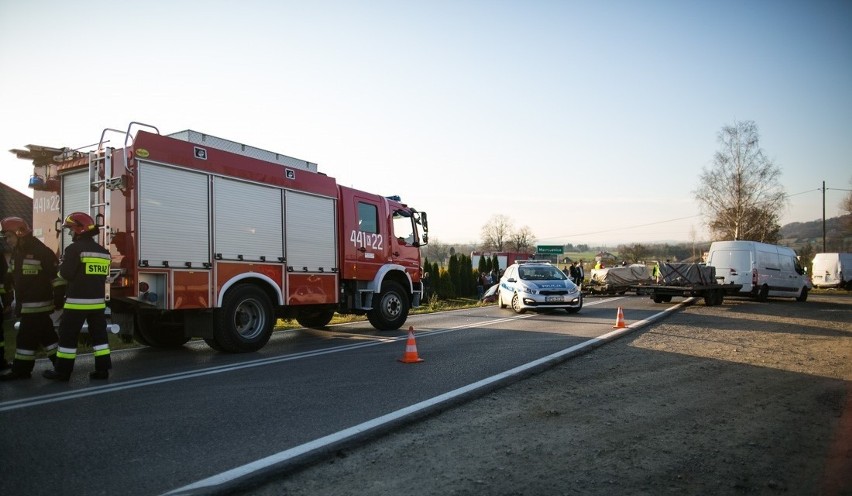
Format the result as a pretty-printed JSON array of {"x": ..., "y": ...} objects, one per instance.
[{"x": 215, "y": 239}]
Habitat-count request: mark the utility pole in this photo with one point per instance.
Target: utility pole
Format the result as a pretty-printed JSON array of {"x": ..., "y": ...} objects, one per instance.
[{"x": 823, "y": 216}]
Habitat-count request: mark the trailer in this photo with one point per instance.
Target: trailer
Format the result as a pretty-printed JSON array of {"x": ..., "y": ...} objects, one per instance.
[
  {"x": 618, "y": 279},
  {"x": 686, "y": 280},
  {"x": 216, "y": 239}
]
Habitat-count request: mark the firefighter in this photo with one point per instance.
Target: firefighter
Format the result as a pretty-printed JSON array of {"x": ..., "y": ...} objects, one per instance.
[
  {"x": 5, "y": 299},
  {"x": 85, "y": 265},
  {"x": 33, "y": 271}
]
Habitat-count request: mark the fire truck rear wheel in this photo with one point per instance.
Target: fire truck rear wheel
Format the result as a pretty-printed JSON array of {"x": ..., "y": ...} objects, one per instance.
[
  {"x": 245, "y": 321},
  {"x": 390, "y": 308}
]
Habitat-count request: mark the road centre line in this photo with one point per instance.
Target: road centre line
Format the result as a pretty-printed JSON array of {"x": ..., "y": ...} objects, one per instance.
[
  {"x": 137, "y": 383},
  {"x": 229, "y": 479}
]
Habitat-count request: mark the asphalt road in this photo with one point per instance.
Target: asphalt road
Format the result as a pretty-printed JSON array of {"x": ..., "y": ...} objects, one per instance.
[{"x": 170, "y": 418}]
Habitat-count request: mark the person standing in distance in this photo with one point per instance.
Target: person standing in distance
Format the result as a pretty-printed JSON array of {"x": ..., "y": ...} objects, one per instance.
[
  {"x": 33, "y": 270},
  {"x": 85, "y": 266}
]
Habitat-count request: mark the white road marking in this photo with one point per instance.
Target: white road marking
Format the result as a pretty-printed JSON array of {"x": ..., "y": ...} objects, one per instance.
[{"x": 233, "y": 476}]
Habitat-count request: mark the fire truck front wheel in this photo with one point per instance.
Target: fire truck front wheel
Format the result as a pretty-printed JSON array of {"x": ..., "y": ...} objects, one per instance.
[
  {"x": 390, "y": 308},
  {"x": 245, "y": 321}
]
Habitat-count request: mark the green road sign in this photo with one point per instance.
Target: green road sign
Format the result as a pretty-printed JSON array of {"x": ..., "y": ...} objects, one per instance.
[{"x": 549, "y": 249}]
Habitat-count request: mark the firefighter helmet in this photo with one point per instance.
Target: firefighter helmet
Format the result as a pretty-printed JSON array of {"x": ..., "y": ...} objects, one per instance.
[
  {"x": 80, "y": 223},
  {"x": 15, "y": 225}
]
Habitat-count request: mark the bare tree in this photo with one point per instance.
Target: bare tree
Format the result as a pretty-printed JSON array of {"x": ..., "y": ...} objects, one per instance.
[
  {"x": 633, "y": 253},
  {"x": 496, "y": 232},
  {"x": 846, "y": 208},
  {"x": 521, "y": 240},
  {"x": 766, "y": 228},
  {"x": 741, "y": 195}
]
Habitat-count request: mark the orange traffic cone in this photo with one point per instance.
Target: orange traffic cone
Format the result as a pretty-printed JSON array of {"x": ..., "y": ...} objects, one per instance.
[
  {"x": 619, "y": 320},
  {"x": 410, "y": 349}
]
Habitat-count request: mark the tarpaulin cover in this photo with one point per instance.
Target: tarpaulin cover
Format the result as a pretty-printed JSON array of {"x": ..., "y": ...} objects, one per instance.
[
  {"x": 622, "y": 276},
  {"x": 686, "y": 274}
]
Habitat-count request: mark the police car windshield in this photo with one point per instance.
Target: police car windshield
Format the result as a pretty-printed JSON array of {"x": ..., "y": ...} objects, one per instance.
[{"x": 540, "y": 273}]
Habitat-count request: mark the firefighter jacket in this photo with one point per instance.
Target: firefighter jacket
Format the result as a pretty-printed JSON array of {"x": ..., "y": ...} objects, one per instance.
[
  {"x": 85, "y": 266},
  {"x": 33, "y": 272},
  {"x": 5, "y": 284}
]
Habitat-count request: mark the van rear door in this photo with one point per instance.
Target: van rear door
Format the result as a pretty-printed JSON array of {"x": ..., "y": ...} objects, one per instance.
[{"x": 732, "y": 267}]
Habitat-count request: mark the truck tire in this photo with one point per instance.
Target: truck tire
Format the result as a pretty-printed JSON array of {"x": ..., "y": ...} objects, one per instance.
[
  {"x": 315, "y": 319},
  {"x": 390, "y": 308},
  {"x": 245, "y": 321},
  {"x": 803, "y": 296},
  {"x": 160, "y": 330}
]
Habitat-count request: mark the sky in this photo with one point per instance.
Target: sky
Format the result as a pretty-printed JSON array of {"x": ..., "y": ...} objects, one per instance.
[{"x": 587, "y": 121}]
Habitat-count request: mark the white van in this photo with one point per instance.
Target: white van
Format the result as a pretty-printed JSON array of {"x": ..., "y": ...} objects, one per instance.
[
  {"x": 832, "y": 270},
  {"x": 764, "y": 270}
]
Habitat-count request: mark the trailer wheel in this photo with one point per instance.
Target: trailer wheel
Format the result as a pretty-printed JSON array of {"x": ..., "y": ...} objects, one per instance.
[
  {"x": 657, "y": 299},
  {"x": 315, "y": 319},
  {"x": 713, "y": 297},
  {"x": 390, "y": 308},
  {"x": 160, "y": 330},
  {"x": 245, "y": 321},
  {"x": 803, "y": 296}
]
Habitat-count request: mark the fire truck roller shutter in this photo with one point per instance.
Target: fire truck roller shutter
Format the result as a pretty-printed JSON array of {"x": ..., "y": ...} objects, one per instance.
[
  {"x": 173, "y": 216},
  {"x": 311, "y": 232},
  {"x": 247, "y": 220},
  {"x": 75, "y": 198}
]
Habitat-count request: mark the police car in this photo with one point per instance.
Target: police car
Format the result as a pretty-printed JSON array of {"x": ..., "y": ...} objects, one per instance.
[{"x": 538, "y": 285}]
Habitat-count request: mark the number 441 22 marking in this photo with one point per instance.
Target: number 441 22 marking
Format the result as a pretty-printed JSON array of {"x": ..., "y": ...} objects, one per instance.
[{"x": 360, "y": 239}]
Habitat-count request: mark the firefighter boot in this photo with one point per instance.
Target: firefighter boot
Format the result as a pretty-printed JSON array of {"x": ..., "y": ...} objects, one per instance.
[
  {"x": 22, "y": 366},
  {"x": 14, "y": 375},
  {"x": 99, "y": 374},
  {"x": 3, "y": 363},
  {"x": 55, "y": 376},
  {"x": 62, "y": 368}
]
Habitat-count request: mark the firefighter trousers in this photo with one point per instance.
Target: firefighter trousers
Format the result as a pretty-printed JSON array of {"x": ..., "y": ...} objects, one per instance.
[
  {"x": 35, "y": 329},
  {"x": 69, "y": 332}
]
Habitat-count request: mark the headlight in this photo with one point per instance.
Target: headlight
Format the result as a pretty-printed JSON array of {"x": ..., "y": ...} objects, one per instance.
[{"x": 526, "y": 289}]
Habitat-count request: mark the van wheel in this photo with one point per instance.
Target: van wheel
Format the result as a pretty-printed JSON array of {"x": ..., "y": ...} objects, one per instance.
[
  {"x": 245, "y": 321},
  {"x": 763, "y": 294},
  {"x": 804, "y": 295},
  {"x": 390, "y": 308}
]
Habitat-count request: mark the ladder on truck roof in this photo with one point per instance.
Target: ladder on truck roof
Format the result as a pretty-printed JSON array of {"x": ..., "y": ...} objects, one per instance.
[
  {"x": 102, "y": 182},
  {"x": 101, "y": 185}
]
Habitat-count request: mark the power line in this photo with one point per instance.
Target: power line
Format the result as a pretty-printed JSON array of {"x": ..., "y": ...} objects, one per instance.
[{"x": 621, "y": 228}]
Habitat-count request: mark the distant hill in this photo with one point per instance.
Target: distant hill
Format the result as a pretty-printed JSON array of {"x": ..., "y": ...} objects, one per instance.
[{"x": 838, "y": 233}]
